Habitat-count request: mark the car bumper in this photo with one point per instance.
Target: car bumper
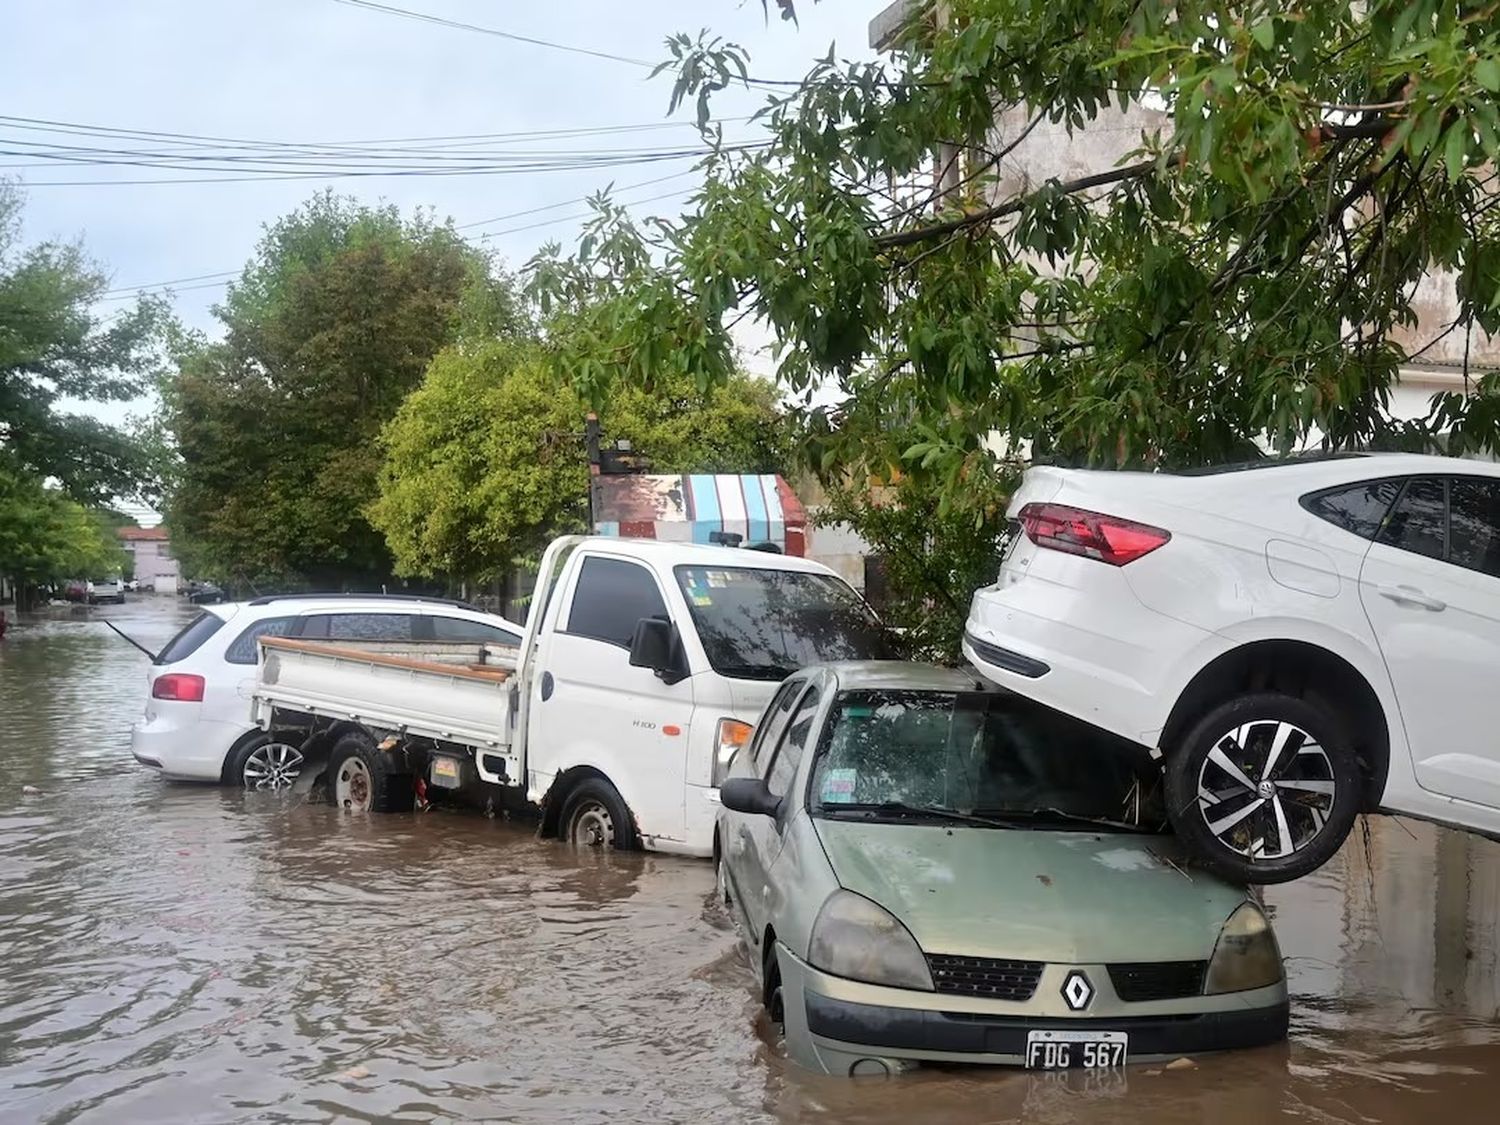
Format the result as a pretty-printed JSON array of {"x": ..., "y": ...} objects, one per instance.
[
  {"x": 829, "y": 1030},
  {"x": 191, "y": 752},
  {"x": 1115, "y": 667}
]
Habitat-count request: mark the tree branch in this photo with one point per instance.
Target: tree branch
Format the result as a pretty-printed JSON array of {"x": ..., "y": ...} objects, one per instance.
[{"x": 1011, "y": 206}]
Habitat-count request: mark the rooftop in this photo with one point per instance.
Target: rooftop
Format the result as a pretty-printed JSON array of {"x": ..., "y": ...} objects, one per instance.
[{"x": 143, "y": 534}]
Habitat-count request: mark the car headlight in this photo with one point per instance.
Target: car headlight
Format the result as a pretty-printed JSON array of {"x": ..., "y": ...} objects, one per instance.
[
  {"x": 857, "y": 939},
  {"x": 1246, "y": 955},
  {"x": 730, "y": 736}
]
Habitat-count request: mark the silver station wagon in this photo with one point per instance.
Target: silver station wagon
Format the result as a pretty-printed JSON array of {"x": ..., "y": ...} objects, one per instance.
[{"x": 924, "y": 869}]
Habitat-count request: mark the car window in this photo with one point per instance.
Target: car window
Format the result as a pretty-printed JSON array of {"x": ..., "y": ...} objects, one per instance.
[
  {"x": 793, "y": 743},
  {"x": 358, "y": 627},
  {"x": 461, "y": 629},
  {"x": 611, "y": 598},
  {"x": 190, "y": 639},
  {"x": 986, "y": 754},
  {"x": 1474, "y": 524},
  {"x": 244, "y": 650},
  {"x": 1360, "y": 508},
  {"x": 1419, "y": 521},
  {"x": 772, "y": 723}
]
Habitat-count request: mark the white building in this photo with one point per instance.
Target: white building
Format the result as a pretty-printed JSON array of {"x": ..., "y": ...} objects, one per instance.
[{"x": 150, "y": 548}]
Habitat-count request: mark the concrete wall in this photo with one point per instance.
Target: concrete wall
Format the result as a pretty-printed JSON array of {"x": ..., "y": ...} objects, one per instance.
[{"x": 841, "y": 549}]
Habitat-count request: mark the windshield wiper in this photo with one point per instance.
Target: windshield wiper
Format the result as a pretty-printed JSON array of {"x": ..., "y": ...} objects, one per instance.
[
  {"x": 1067, "y": 817},
  {"x": 901, "y": 808}
]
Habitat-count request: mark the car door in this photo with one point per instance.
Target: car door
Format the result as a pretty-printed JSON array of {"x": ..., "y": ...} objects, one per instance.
[
  {"x": 762, "y": 836},
  {"x": 1431, "y": 587},
  {"x": 590, "y": 706}
]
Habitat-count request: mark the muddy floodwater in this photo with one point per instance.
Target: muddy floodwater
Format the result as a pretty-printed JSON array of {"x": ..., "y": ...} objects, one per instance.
[{"x": 180, "y": 953}]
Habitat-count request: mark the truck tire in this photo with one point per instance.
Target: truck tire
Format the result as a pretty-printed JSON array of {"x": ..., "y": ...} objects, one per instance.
[
  {"x": 1264, "y": 788},
  {"x": 363, "y": 779},
  {"x": 594, "y": 815}
]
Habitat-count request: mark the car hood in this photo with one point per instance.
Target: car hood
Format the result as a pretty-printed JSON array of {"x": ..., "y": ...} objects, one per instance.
[{"x": 1078, "y": 897}]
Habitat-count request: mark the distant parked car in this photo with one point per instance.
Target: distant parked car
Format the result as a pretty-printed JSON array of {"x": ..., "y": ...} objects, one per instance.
[
  {"x": 923, "y": 871},
  {"x": 204, "y": 593},
  {"x": 1299, "y": 641},
  {"x": 197, "y": 722},
  {"x": 106, "y": 590}
]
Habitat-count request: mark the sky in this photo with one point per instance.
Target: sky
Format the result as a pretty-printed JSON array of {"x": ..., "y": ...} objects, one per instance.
[{"x": 336, "y": 71}]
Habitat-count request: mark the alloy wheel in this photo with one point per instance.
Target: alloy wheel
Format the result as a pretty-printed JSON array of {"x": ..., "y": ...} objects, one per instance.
[
  {"x": 276, "y": 765},
  {"x": 1266, "y": 789}
]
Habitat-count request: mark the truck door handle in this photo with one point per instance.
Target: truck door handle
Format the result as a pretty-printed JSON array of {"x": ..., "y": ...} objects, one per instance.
[
  {"x": 546, "y": 686},
  {"x": 1410, "y": 595}
]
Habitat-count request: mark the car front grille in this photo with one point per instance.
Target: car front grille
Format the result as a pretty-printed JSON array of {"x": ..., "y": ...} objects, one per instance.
[
  {"x": 990, "y": 977},
  {"x": 1157, "y": 980}
]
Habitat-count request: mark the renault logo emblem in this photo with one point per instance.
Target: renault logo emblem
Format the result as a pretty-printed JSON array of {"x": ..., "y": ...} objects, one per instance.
[{"x": 1077, "y": 991}]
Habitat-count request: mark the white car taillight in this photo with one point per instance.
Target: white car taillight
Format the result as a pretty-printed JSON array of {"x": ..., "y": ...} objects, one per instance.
[{"x": 1094, "y": 535}]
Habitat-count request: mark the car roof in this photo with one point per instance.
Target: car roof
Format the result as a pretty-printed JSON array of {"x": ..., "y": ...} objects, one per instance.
[
  {"x": 899, "y": 675},
  {"x": 667, "y": 552}
]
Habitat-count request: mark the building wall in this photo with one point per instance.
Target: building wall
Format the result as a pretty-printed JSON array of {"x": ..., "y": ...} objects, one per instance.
[{"x": 154, "y": 565}]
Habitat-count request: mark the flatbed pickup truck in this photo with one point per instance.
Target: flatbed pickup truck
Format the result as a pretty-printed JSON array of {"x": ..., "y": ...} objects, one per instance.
[{"x": 641, "y": 669}]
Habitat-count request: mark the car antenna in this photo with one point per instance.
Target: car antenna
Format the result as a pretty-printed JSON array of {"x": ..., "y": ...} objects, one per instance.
[{"x": 133, "y": 641}]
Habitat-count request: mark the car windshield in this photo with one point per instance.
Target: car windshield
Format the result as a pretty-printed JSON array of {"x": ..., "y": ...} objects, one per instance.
[
  {"x": 764, "y": 624},
  {"x": 989, "y": 757}
]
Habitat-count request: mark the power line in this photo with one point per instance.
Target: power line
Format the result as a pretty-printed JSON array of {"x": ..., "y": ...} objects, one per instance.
[{"x": 425, "y": 17}]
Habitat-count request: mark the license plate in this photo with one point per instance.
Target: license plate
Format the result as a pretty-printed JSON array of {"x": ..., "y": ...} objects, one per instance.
[
  {"x": 445, "y": 772},
  {"x": 1086, "y": 1050}
]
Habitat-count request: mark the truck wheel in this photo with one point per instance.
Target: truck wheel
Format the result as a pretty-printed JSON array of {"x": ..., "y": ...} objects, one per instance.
[
  {"x": 1264, "y": 788},
  {"x": 595, "y": 816},
  {"x": 266, "y": 761},
  {"x": 362, "y": 778}
]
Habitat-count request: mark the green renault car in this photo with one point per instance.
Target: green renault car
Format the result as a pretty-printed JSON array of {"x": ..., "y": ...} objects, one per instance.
[{"x": 926, "y": 869}]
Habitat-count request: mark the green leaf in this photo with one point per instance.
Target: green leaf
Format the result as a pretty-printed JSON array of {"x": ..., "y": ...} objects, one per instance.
[
  {"x": 1456, "y": 150},
  {"x": 1264, "y": 33},
  {"x": 1487, "y": 74}
]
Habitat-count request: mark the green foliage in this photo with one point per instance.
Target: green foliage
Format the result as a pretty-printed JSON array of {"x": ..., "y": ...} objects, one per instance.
[
  {"x": 54, "y": 345},
  {"x": 1244, "y": 277},
  {"x": 45, "y": 536},
  {"x": 486, "y": 460},
  {"x": 275, "y": 428}
]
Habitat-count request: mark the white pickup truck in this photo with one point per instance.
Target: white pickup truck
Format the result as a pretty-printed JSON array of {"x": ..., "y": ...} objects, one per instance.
[{"x": 641, "y": 668}]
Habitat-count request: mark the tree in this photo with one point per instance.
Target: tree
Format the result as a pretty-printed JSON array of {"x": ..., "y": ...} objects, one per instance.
[
  {"x": 45, "y": 536},
  {"x": 486, "y": 460},
  {"x": 1238, "y": 280},
  {"x": 55, "y": 345},
  {"x": 329, "y": 327}
]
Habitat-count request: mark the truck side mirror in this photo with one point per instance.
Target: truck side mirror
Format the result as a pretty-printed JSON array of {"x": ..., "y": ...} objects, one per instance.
[
  {"x": 656, "y": 645},
  {"x": 749, "y": 795}
]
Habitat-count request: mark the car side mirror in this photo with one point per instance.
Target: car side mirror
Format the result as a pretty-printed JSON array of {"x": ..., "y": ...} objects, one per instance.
[
  {"x": 657, "y": 646},
  {"x": 749, "y": 795}
]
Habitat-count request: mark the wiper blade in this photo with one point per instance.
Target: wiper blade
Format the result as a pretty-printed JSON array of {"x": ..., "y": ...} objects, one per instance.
[
  {"x": 901, "y": 808},
  {"x": 1068, "y": 817}
]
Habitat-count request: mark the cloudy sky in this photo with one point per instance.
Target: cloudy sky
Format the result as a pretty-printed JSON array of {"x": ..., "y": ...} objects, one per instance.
[{"x": 81, "y": 76}]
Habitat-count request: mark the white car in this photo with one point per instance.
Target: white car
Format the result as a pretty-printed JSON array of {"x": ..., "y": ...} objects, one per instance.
[
  {"x": 1298, "y": 641},
  {"x": 197, "y": 725}
]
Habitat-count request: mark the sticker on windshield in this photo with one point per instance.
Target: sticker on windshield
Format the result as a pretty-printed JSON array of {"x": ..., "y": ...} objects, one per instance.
[
  {"x": 838, "y": 786},
  {"x": 702, "y": 599},
  {"x": 717, "y": 578}
]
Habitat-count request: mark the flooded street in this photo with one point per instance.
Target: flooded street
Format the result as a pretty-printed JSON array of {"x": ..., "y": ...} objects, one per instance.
[{"x": 184, "y": 953}]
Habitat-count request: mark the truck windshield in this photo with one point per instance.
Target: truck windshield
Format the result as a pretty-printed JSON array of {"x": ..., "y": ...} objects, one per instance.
[
  {"x": 761, "y": 624},
  {"x": 991, "y": 757}
]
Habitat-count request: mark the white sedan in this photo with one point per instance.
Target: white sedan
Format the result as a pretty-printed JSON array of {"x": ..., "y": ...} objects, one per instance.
[{"x": 1298, "y": 641}]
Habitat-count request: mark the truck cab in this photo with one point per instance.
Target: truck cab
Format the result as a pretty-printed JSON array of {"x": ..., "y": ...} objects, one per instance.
[{"x": 651, "y": 662}]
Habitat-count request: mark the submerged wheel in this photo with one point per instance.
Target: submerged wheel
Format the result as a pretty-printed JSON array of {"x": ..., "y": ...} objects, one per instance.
[
  {"x": 1264, "y": 788},
  {"x": 595, "y": 816},
  {"x": 266, "y": 763},
  {"x": 362, "y": 778}
]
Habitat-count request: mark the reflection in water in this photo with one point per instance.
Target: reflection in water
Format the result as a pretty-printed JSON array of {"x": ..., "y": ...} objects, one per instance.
[{"x": 176, "y": 953}]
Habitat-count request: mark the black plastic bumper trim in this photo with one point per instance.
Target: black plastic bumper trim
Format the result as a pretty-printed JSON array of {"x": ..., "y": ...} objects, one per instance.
[
  {"x": 1004, "y": 658},
  {"x": 875, "y": 1025}
]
